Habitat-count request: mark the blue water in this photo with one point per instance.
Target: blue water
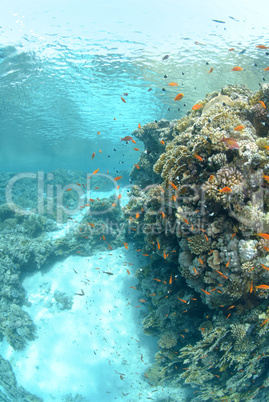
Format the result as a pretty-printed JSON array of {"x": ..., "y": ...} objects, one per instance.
[{"x": 64, "y": 68}]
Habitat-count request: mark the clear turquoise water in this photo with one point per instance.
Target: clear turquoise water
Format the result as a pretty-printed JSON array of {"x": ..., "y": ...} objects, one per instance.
[{"x": 65, "y": 66}]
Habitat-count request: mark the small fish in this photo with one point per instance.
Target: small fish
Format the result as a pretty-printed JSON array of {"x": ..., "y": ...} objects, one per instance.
[
  {"x": 173, "y": 84},
  {"x": 242, "y": 51},
  {"x": 266, "y": 178},
  {"x": 233, "y": 235},
  {"x": 231, "y": 49},
  {"x": 207, "y": 293},
  {"x": 199, "y": 158},
  {"x": 198, "y": 43},
  {"x": 211, "y": 178},
  {"x": 117, "y": 178},
  {"x": 239, "y": 128},
  {"x": 231, "y": 143},
  {"x": 237, "y": 68},
  {"x": 150, "y": 89},
  {"x": 119, "y": 197},
  {"x": 264, "y": 267},
  {"x": 69, "y": 189},
  {"x": 123, "y": 100},
  {"x": 128, "y": 272},
  {"x": 262, "y": 47},
  {"x": 125, "y": 94},
  {"x": 266, "y": 248},
  {"x": 228, "y": 263},
  {"x": 263, "y": 235},
  {"x": 98, "y": 132},
  {"x": 80, "y": 294},
  {"x": 158, "y": 245},
  {"x": 178, "y": 97},
  {"x": 182, "y": 300},
  {"x": 162, "y": 142},
  {"x": 197, "y": 107},
  {"x": 210, "y": 71},
  {"x": 108, "y": 273},
  {"x": 173, "y": 185},
  {"x": 137, "y": 215},
  {"x": 93, "y": 155},
  {"x": 262, "y": 287},
  {"x": 266, "y": 69},
  {"x": 157, "y": 280},
  {"x": 96, "y": 171},
  {"x": 137, "y": 166},
  {"x": 251, "y": 287},
  {"x": 142, "y": 300},
  {"x": 127, "y": 138},
  {"x": 201, "y": 261},
  {"x": 165, "y": 57},
  {"x": 263, "y": 104},
  {"x": 218, "y": 21},
  {"x": 264, "y": 322},
  {"x": 136, "y": 149},
  {"x": 170, "y": 280},
  {"x": 226, "y": 190}
]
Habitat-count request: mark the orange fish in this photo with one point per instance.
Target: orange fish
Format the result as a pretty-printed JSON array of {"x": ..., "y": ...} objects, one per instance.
[
  {"x": 143, "y": 300},
  {"x": 97, "y": 170},
  {"x": 93, "y": 155},
  {"x": 226, "y": 190},
  {"x": 263, "y": 104},
  {"x": 231, "y": 143},
  {"x": 137, "y": 215},
  {"x": 117, "y": 178},
  {"x": 113, "y": 204},
  {"x": 233, "y": 235},
  {"x": 266, "y": 69},
  {"x": 128, "y": 272},
  {"x": 207, "y": 293},
  {"x": 178, "y": 97},
  {"x": 264, "y": 322},
  {"x": 184, "y": 301},
  {"x": 262, "y": 287},
  {"x": 118, "y": 187},
  {"x": 197, "y": 107},
  {"x": 136, "y": 149},
  {"x": 231, "y": 49},
  {"x": 158, "y": 244},
  {"x": 123, "y": 100},
  {"x": 173, "y": 84},
  {"x": 127, "y": 138},
  {"x": 266, "y": 178},
  {"x": 119, "y": 197},
  {"x": 173, "y": 185},
  {"x": 199, "y": 158},
  {"x": 251, "y": 287},
  {"x": 266, "y": 248},
  {"x": 264, "y": 267},
  {"x": 139, "y": 125},
  {"x": 263, "y": 235},
  {"x": 137, "y": 166},
  {"x": 100, "y": 151},
  {"x": 170, "y": 280},
  {"x": 237, "y": 69},
  {"x": 228, "y": 263},
  {"x": 69, "y": 189},
  {"x": 162, "y": 142},
  {"x": 210, "y": 71},
  {"x": 98, "y": 132},
  {"x": 157, "y": 280},
  {"x": 262, "y": 47},
  {"x": 239, "y": 128},
  {"x": 211, "y": 178}
]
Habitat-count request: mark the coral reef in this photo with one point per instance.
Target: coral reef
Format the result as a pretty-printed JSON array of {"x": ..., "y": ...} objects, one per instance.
[{"x": 203, "y": 227}]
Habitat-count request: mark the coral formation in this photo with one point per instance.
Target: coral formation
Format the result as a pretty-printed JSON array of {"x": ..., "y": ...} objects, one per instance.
[{"x": 206, "y": 281}]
